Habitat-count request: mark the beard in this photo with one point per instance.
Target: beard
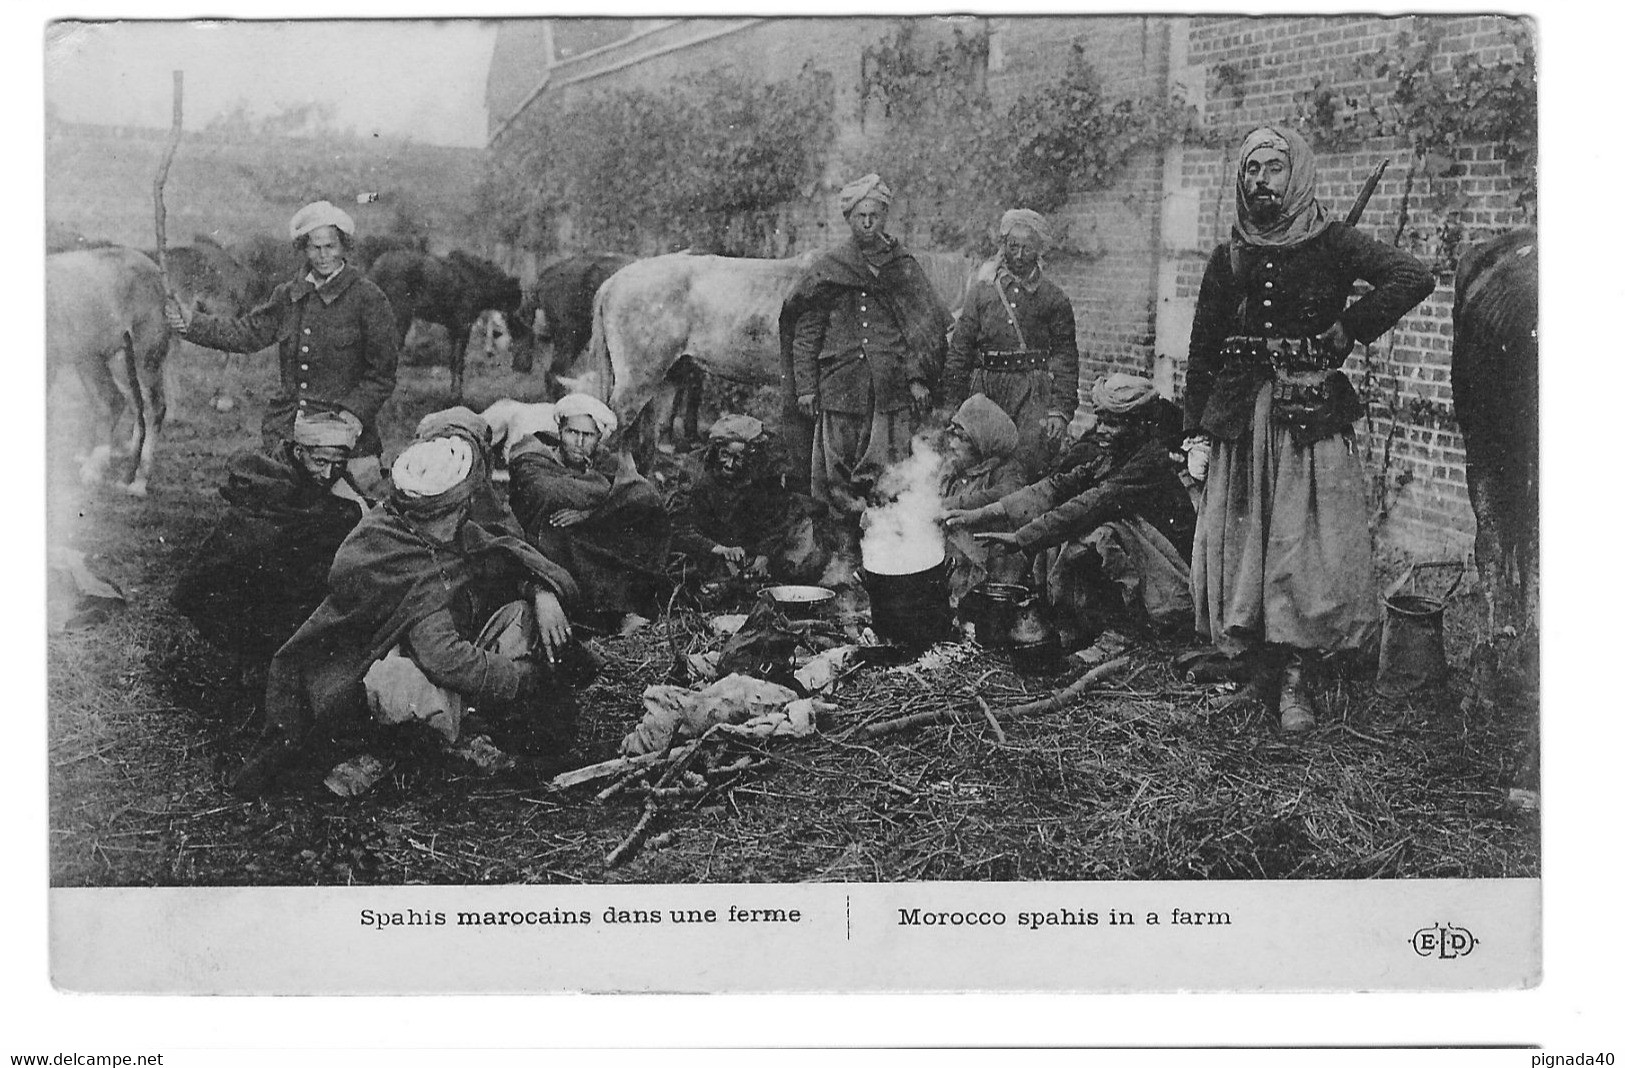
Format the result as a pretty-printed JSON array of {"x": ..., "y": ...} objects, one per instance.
[{"x": 1264, "y": 207}]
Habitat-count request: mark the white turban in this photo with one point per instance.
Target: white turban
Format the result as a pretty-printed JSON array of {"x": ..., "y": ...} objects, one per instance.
[
  {"x": 1121, "y": 393},
  {"x": 321, "y": 213},
  {"x": 869, "y": 187},
  {"x": 1025, "y": 217},
  {"x": 576, "y": 404},
  {"x": 430, "y": 468}
]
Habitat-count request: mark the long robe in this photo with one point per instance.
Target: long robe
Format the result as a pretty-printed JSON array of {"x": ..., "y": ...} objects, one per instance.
[
  {"x": 386, "y": 579},
  {"x": 617, "y": 555},
  {"x": 855, "y": 335},
  {"x": 263, "y": 568},
  {"x": 1115, "y": 516},
  {"x": 1283, "y": 550},
  {"x": 757, "y": 513},
  {"x": 996, "y": 473}
]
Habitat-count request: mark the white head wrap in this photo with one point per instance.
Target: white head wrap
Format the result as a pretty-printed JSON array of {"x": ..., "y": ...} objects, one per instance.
[
  {"x": 1025, "y": 217},
  {"x": 321, "y": 213},
  {"x": 326, "y": 429},
  {"x": 1121, "y": 393},
  {"x": 576, "y": 404},
  {"x": 869, "y": 187},
  {"x": 430, "y": 468}
]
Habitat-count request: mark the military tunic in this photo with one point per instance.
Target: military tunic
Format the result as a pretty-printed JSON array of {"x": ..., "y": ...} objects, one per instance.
[{"x": 335, "y": 349}]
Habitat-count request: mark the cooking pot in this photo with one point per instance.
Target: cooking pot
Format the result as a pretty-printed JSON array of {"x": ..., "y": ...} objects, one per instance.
[{"x": 910, "y": 609}]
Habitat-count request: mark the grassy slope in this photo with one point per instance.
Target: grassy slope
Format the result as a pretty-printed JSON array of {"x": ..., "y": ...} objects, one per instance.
[{"x": 101, "y": 185}]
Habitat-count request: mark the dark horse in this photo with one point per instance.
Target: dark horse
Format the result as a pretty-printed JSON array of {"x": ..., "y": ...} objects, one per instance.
[
  {"x": 451, "y": 290},
  {"x": 559, "y": 306},
  {"x": 1495, "y": 382}
]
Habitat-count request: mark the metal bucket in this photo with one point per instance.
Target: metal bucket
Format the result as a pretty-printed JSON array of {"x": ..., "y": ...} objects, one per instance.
[
  {"x": 910, "y": 609},
  {"x": 991, "y": 609},
  {"x": 1412, "y": 652}
]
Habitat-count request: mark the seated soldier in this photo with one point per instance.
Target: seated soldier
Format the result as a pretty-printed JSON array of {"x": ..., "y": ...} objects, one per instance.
[
  {"x": 588, "y": 509},
  {"x": 415, "y": 581},
  {"x": 734, "y": 519},
  {"x": 263, "y": 568},
  {"x": 1111, "y": 528},
  {"x": 980, "y": 466}
]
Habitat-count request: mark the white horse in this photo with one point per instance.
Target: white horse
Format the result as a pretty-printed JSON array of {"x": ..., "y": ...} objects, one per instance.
[{"x": 104, "y": 316}]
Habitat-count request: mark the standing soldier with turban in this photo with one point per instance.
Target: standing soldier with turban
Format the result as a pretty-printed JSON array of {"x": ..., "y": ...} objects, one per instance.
[
  {"x": 863, "y": 334},
  {"x": 420, "y": 605},
  {"x": 334, "y": 333},
  {"x": 1281, "y": 569},
  {"x": 1016, "y": 342}
]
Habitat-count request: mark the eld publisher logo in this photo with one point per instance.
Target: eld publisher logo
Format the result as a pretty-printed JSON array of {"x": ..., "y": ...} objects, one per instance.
[{"x": 1443, "y": 941}]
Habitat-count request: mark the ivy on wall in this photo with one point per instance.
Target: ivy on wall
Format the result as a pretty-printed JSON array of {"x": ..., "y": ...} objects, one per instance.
[
  {"x": 681, "y": 166},
  {"x": 1406, "y": 90},
  {"x": 949, "y": 145}
]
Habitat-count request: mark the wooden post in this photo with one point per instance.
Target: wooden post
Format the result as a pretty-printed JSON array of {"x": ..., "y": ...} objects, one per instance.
[{"x": 163, "y": 175}]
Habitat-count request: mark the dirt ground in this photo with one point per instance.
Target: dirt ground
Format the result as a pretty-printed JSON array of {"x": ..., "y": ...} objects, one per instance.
[{"x": 1139, "y": 779}]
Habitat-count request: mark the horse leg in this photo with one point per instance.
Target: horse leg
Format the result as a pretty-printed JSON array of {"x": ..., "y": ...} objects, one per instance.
[
  {"x": 656, "y": 418},
  {"x": 107, "y": 405},
  {"x": 154, "y": 407},
  {"x": 458, "y": 335},
  {"x": 690, "y": 392}
]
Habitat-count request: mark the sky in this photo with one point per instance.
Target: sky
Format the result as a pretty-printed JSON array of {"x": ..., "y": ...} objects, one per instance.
[{"x": 420, "y": 78}]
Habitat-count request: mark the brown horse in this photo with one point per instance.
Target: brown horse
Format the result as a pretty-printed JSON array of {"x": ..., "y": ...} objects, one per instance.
[
  {"x": 104, "y": 308},
  {"x": 451, "y": 290},
  {"x": 1495, "y": 386}
]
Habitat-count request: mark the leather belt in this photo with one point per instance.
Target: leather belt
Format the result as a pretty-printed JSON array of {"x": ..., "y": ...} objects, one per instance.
[
  {"x": 1012, "y": 360},
  {"x": 1282, "y": 355}
]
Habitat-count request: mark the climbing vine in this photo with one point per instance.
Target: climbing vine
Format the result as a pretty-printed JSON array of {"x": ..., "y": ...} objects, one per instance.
[
  {"x": 690, "y": 164},
  {"x": 1446, "y": 112},
  {"x": 1443, "y": 111},
  {"x": 949, "y": 144}
]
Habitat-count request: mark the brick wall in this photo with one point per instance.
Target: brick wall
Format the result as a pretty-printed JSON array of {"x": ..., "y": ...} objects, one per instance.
[{"x": 1241, "y": 72}]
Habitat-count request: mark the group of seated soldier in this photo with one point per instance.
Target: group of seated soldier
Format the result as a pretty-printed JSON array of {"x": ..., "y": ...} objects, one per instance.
[
  {"x": 1105, "y": 536},
  {"x": 449, "y": 605}
]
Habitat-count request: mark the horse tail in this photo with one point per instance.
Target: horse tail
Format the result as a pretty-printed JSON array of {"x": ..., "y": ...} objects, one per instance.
[
  {"x": 132, "y": 366},
  {"x": 598, "y": 347}
]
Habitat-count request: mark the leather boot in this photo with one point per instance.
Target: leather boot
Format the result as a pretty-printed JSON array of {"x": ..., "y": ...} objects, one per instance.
[
  {"x": 1297, "y": 699},
  {"x": 1262, "y": 685}
]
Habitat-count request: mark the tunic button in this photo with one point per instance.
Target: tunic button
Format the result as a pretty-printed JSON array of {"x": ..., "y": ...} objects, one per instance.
[
  {"x": 866, "y": 326},
  {"x": 301, "y": 403},
  {"x": 307, "y": 329},
  {"x": 304, "y": 348},
  {"x": 1269, "y": 265},
  {"x": 1269, "y": 285},
  {"x": 1268, "y": 325},
  {"x": 304, "y": 367},
  {"x": 1266, "y": 304}
]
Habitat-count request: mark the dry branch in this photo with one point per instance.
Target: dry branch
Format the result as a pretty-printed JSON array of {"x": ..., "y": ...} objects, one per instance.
[
  {"x": 158, "y": 181},
  {"x": 630, "y": 842},
  {"x": 1030, "y": 708}
]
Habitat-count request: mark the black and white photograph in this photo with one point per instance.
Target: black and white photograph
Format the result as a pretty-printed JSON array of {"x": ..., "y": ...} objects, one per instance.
[{"x": 942, "y": 502}]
